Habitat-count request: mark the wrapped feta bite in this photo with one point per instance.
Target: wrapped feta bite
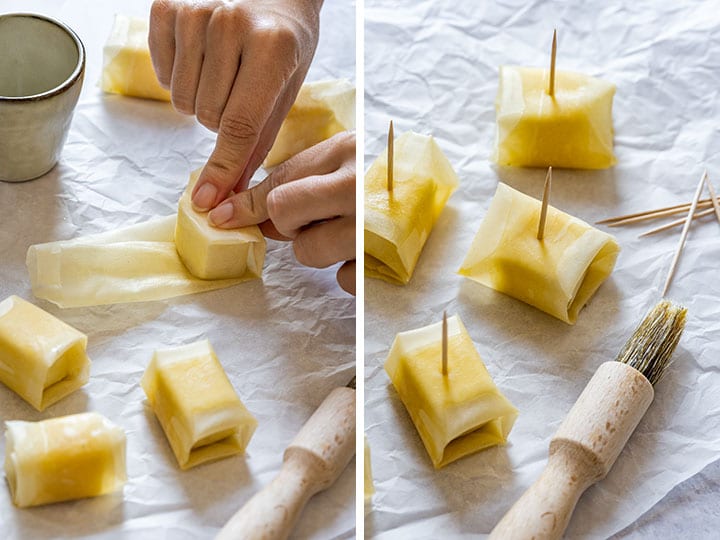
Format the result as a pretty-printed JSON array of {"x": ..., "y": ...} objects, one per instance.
[
  {"x": 127, "y": 66},
  {"x": 572, "y": 129},
  {"x": 558, "y": 274},
  {"x": 458, "y": 413},
  {"x": 199, "y": 410},
  {"x": 41, "y": 358},
  {"x": 321, "y": 110},
  {"x": 212, "y": 253},
  {"x": 398, "y": 223},
  {"x": 60, "y": 459}
]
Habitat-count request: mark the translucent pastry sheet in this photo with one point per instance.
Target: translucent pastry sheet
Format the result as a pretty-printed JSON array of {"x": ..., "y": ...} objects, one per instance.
[
  {"x": 432, "y": 67},
  {"x": 285, "y": 342}
]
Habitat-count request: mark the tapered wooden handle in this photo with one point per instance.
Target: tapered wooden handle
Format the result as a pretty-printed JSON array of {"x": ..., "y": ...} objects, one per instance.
[
  {"x": 313, "y": 461},
  {"x": 544, "y": 510},
  {"x": 582, "y": 452},
  {"x": 271, "y": 513}
]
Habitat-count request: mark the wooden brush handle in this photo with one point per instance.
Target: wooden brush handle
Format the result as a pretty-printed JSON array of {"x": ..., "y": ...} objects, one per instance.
[
  {"x": 582, "y": 452},
  {"x": 313, "y": 461}
]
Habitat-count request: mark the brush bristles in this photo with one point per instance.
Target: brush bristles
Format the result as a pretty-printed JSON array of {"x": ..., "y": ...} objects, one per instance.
[{"x": 650, "y": 347}]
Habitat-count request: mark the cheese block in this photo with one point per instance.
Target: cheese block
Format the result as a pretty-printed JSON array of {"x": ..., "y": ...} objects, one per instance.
[
  {"x": 127, "y": 67},
  {"x": 199, "y": 410},
  {"x": 60, "y": 459},
  {"x": 368, "y": 486},
  {"x": 558, "y": 274},
  {"x": 321, "y": 110},
  {"x": 398, "y": 223},
  {"x": 572, "y": 129},
  {"x": 455, "y": 414},
  {"x": 212, "y": 253},
  {"x": 41, "y": 358}
]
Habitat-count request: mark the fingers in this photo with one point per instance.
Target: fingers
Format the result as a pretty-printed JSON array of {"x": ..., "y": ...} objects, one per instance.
[
  {"x": 346, "y": 277},
  {"x": 326, "y": 243},
  {"x": 161, "y": 40},
  {"x": 220, "y": 65},
  {"x": 250, "y": 206},
  {"x": 251, "y": 102},
  {"x": 190, "y": 25}
]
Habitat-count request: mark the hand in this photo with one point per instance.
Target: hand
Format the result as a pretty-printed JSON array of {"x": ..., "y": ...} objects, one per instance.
[
  {"x": 309, "y": 200},
  {"x": 238, "y": 66}
]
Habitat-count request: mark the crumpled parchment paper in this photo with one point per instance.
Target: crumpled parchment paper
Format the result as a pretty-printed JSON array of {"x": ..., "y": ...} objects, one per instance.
[
  {"x": 285, "y": 341},
  {"x": 432, "y": 67}
]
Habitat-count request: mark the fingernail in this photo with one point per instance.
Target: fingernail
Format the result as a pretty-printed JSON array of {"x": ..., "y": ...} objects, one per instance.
[
  {"x": 222, "y": 214},
  {"x": 205, "y": 197}
]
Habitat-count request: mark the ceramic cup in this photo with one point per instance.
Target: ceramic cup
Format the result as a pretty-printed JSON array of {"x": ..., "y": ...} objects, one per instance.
[{"x": 42, "y": 64}]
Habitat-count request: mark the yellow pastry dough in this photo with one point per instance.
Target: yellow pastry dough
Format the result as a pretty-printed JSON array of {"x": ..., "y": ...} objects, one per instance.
[
  {"x": 127, "y": 68},
  {"x": 397, "y": 224},
  {"x": 199, "y": 410},
  {"x": 212, "y": 253},
  {"x": 455, "y": 414},
  {"x": 368, "y": 486},
  {"x": 321, "y": 110},
  {"x": 573, "y": 129},
  {"x": 41, "y": 358},
  {"x": 60, "y": 459},
  {"x": 558, "y": 274}
]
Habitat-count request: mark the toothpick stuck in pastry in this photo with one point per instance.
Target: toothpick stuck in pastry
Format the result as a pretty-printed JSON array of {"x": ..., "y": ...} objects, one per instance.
[
  {"x": 545, "y": 200},
  {"x": 684, "y": 234},
  {"x": 444, "y": 344},
  {"x": 551, "y": 85},
  {"x": 391, "y": 156}
]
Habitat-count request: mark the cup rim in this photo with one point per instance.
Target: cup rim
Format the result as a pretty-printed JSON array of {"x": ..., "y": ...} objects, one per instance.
[{"x": 67, "y": 83}]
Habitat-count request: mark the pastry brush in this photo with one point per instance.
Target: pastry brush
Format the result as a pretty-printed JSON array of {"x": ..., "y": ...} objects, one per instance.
[
  {"x": 596, "y": 429},
  {"x": 313, "y": 461}
]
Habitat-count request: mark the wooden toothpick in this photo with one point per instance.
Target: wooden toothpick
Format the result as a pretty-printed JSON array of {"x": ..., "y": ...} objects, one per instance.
[
  {"x": 545, "y": 200},
  {"x": 714, "y": 198},
  {"x": 551, "y": 86},
  {"x": 444, "y": 344},
  {"x": 391, "y": 157},
  {"x": 676, "y": 223},
  {"x": 684, "y": 234}
]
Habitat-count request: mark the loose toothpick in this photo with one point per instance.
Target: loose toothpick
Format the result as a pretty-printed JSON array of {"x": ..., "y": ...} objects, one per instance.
[
  {"x": 545, "y": 200},
  {"x": 444, "y": 344},
  {"x": 637, "y": 217},
  {"x": 684, "y": 234},
  {"x": 551, "y": 85},
  {"x": 714, "y": 198},
  {"x": 391, "y": 157},
  {"x": 676, "y": 223}
]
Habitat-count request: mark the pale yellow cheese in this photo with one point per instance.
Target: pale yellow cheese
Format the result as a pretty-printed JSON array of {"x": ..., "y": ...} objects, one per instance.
[
  {"x": 368, "y": 486},
  {"x": 199, "y": 410},
  {"x": 455, "y": 414},
  {"x": 128, "y": 68},
  {"x": 398, "y": 223},
  {"x": 212, "y": 253},
  {"x": 321, "y": 110},
  {"x": 41, "y": 358},
  {"x": 558, "y": 274},
  {"x": 71, "y": 457},
  {"x": 572, "y": 129}
]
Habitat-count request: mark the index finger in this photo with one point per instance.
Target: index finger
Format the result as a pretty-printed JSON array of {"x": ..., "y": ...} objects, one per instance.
[
  {"x": 251, "y": 102},
  {"x": 249, "y": 207}
]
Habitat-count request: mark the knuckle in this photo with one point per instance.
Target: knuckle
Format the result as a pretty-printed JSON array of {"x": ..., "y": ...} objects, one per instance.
[
  {"x": 160, "y": 9},
  {"x": 239, "y": 129},
  {"x": 276, "y": 202}
]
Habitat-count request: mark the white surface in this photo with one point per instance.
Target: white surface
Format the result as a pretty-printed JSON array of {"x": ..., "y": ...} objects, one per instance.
[
  {"x": 432, "y": 67},
  {"x": 285, "y": 342}
]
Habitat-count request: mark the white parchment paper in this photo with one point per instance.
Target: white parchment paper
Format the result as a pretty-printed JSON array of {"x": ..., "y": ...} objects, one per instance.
[
  {"x": 432, "y": 67},
  {"x": 285, "y": 342}
]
